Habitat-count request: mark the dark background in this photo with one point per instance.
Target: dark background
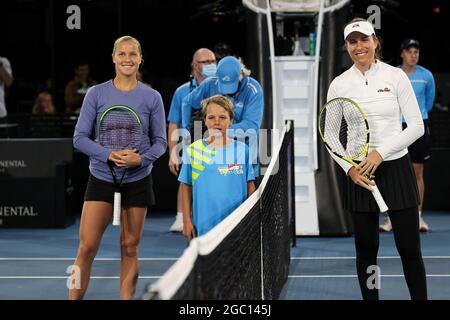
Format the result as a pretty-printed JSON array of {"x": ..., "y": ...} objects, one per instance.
[
  {"x": 427, "y": 21},
  {"x": 43, "y": 51}
]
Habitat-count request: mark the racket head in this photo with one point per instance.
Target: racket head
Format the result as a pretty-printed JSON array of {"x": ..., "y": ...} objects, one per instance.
[
  {"x": 119, "y": 128},
  {"x": 344, "y": 129}
]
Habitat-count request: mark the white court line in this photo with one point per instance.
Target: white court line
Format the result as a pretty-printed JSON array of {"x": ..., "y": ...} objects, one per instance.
[
  {"x": 73, "y": 259},
  {"x": 157, "y": 277},
  {"x": 173, "y": 259},
  {"x": 344, "y": 258},
  {"x": 355, "y": 276},
  {"x": 65, "y": 277}
]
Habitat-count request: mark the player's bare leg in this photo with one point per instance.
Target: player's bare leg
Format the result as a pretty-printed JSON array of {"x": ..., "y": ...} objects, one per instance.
[
  {"x": 132, "y": 225},
  {"x": 95, "y": 217}
]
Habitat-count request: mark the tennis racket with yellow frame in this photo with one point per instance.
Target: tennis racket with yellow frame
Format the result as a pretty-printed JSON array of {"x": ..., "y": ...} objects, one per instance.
[{"x": 345, "y": 132}]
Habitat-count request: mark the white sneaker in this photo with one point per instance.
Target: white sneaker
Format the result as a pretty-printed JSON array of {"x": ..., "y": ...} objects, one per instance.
[
  {"x": 386, "y": 226},
  {"x": 423, "y": 226},
  {"x": 177, "y": 226}
]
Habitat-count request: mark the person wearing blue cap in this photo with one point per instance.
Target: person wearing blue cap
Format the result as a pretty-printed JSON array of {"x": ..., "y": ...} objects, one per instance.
[
  {"x": 203, "y": 66},
  {"x": 423, "y": 84},
  {"x": 245, "y": 93}
]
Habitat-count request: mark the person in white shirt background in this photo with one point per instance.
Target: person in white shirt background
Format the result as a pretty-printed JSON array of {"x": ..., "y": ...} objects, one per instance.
[
  {"x": 385, "y": 94},
  {"x": 6, "y": 79}
]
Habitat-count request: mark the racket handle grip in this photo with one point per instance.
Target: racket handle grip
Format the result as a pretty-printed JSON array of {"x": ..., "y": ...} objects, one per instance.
[
  {"x": 379, "y": 199},
  {"x": 117, "y": 209}
]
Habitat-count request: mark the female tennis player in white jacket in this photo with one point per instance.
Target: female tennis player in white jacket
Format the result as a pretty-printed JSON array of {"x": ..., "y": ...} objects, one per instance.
[{"x": 385, "y": 94}]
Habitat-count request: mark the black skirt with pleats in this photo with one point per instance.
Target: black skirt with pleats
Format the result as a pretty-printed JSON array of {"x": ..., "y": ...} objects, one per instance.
[{"x": 397, "y": 184}]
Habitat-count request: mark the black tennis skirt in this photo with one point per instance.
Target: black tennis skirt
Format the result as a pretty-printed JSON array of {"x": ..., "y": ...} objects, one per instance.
[
  {"x": 397, "y": 184},
  {"x": 134, "y": 194}
]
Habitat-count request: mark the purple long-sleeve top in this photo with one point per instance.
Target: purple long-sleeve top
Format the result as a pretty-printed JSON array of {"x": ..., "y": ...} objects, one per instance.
[{"x": 146, "y": 102}]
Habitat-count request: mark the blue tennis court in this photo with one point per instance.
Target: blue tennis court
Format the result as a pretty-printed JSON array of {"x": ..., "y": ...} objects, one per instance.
[{"x": 33, "y": 263}]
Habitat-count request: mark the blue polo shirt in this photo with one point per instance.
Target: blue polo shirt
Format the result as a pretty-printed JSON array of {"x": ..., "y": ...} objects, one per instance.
[
  {"x": 218, "y": 177},
  {"x": 177, "y": 100},
  {"x": 422, "y": 82}
]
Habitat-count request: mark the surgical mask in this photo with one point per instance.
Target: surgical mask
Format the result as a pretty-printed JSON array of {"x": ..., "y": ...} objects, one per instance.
[{"x": 209, "y": 70}]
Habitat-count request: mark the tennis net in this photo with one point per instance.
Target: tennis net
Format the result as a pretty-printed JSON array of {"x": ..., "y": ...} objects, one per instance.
[{"x": 247, "y": 255}]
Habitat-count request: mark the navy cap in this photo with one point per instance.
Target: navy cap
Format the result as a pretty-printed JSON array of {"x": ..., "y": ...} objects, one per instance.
[
  {"x": 409, "y": 43},
  {"x": 228, "y": 72}
]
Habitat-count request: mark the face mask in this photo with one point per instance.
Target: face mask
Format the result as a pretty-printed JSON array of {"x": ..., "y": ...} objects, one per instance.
[{"x": 209, "y": 70}]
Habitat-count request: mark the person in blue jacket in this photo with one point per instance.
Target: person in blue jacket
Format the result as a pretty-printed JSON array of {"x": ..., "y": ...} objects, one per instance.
[
  {"x": 423, "y": 84},
  {"x": 203, "y": 66},
  {"x": 246, "y": 95}
]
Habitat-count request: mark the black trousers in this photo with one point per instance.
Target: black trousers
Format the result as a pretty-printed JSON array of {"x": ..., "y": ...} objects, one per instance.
[{"x": 405, "y": 225}]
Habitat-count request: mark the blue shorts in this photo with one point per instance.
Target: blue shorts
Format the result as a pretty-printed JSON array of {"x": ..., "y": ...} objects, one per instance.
[{"x": 419, "y": 151}]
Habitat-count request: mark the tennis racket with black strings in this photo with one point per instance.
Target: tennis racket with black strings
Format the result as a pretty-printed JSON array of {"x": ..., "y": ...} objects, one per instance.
[
  {"x": 119, "y": 128},
  {"x": 345, "y": 131}
]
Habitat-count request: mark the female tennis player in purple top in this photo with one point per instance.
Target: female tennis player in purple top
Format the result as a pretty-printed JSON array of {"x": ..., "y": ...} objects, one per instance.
[{"x": 122, "y": 128}]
